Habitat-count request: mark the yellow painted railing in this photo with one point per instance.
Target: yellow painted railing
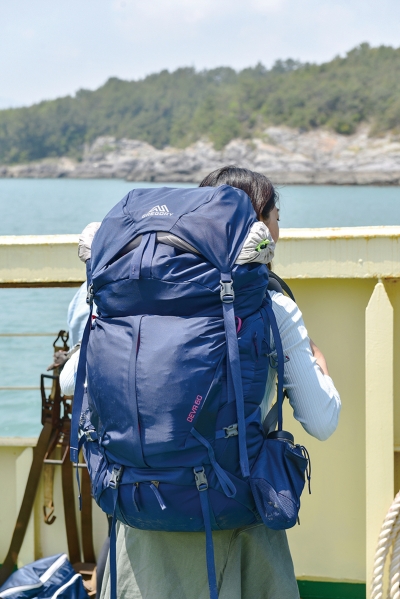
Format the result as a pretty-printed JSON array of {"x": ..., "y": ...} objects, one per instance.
[
  {"x": 338, "y": 253},
  {"x": 347, "y": 284}
]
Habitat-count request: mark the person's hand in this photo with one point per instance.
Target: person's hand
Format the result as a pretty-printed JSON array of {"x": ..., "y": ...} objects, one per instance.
[
  {"x": 320, "y": 358},
  {"x": 59, "y": 359}
]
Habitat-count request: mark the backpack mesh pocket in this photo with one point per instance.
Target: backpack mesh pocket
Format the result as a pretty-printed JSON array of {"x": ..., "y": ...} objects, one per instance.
[
  {"x": 277, "y": 481},
  {"x": 276, "y": 510}
]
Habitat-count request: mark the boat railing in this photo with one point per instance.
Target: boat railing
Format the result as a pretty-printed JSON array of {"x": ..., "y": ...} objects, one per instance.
[{"x": 347, "y": 284}]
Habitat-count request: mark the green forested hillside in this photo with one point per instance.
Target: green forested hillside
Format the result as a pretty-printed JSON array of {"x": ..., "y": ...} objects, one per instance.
[{"x": 180, "y": 107}]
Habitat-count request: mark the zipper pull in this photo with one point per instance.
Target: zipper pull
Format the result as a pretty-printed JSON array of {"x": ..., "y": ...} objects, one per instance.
[
  {"x": 135, "y": 487},
  {"x": 308, "y": 469},
  {"x": 154, "y": 487}
]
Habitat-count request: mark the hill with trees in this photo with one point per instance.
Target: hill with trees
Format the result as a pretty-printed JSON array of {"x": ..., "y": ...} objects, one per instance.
[{"x": 178, "y": 108}]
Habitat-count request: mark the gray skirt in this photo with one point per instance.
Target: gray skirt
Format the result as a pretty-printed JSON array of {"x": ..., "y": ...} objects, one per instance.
[{"x": 251, "y": 563}]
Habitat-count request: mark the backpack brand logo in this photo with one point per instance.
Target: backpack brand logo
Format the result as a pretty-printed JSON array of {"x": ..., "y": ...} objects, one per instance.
[
  {"x": 195, "y": 407},
  {"x": 158, "y": 211}
]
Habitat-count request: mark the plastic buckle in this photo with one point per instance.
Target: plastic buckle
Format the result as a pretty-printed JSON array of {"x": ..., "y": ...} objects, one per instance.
[
  {"x": 231, "y": 431},
  {"x": 201, "y": 479},
  {"x": 227, "y": 293},
  {"x": 88, "y": 435},
  {"x": 90, "y": 295},
  {"x": 115, "y": 477}
]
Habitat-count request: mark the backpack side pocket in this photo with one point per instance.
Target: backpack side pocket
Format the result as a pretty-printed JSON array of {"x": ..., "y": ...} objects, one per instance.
[{"x": 277, "y": 480}]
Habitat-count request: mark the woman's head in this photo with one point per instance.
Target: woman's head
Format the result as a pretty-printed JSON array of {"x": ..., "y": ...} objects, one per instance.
[{"x": 259, "y": 188}]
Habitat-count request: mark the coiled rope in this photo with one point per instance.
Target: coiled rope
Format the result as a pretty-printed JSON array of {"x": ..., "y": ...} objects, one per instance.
[{"x": 389, "y": 539}]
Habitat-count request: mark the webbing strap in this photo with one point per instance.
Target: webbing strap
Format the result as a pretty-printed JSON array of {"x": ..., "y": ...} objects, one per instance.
[
  {"x": 270, "y": 420},
  {"x": 275, "y": 283},
  {"x": 113, "y": 550},
  {"x": 79, "y": 391},
  {"x": 135, "y": 266},
  {"x": 229, "y": 384},
  {"x": 227, "y": 485},
  {"x": 202, "y": 486},
  {"x": 224, "y": 432},
  {"x": 279, "y": 351},
  {"x": 212, "y": 577},
  {"x": 88, "y": 266},
  {"x": 147, "y": 258},
  {"x": 234, "y": 372}
]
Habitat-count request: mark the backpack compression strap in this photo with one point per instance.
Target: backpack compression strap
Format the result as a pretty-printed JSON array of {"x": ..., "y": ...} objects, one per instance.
[{"x": 234, "y": 370}]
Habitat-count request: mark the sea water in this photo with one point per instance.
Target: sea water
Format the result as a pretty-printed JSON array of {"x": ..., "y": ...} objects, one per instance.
[{"x": 54, "y": 206}]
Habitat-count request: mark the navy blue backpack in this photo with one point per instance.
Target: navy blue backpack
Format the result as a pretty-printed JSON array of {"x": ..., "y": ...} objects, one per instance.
[{"x": 176, "y": 363}]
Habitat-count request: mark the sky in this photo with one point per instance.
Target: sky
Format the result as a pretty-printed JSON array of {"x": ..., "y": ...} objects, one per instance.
[{"x": 52, "y": 48}]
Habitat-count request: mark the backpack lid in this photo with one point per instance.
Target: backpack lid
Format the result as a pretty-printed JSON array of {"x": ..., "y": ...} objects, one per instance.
[{"x": 214, "y": 220}]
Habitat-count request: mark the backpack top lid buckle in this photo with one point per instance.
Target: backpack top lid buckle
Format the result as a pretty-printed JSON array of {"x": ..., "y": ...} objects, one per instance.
[
  {"x": 115, "y": 477},
  {"x": 201, "y": 479},
  {"x": 227, "y": 293}
]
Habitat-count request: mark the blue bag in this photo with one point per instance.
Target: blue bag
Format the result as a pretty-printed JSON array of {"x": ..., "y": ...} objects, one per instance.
[
  {"x": 176, "y": 363},
  {"x": 48, "y": 578},
  {"x": 278, "y": 475}
]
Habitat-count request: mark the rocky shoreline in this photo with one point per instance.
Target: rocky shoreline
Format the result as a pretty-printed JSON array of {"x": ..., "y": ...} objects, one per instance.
[{"x": 287, "y": 156}]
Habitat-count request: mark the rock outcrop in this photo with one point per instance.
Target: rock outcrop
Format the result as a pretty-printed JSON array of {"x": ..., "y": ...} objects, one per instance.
[{"x": 285, "y": 155}]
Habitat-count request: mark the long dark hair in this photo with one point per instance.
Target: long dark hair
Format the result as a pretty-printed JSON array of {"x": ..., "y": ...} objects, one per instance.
[{"x": 258, "y": 187}]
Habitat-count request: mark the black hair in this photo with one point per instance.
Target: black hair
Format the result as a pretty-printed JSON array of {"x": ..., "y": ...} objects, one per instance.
[{"x": 258, "y": 187}]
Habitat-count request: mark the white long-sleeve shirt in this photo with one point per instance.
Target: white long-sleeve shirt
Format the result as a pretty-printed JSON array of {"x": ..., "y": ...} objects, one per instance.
[{"x": 312, "y": 394}]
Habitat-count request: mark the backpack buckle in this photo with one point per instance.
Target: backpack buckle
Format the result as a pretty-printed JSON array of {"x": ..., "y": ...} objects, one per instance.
[
  {"x": 115, "y": 477},
  {"x": 231, "y": 430},
  {"x": 90, "y": 295},
  {"x": 90, "y": 435},
  {"x": 227, "y": 293},
  {"x": 200, "y": 478}
]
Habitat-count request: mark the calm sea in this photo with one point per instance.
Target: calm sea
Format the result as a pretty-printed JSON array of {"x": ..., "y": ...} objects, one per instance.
[{"x": 39, "y": 207}]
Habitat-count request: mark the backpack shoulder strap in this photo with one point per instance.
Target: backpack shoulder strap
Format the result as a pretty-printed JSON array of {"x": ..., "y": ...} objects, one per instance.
[
  {"x": 268, "y": 311},
  {"x": 81, "y": 377},
  {"x": 275, "y": 283}
]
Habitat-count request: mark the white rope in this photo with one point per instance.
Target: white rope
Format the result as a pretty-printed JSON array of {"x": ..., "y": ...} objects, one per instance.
[
  {"x": 389, "y": 539},
  {"x": 394, "y": 573}
]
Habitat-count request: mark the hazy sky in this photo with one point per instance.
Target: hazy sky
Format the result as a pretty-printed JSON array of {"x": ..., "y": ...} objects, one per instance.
[{"x": 50, "y": 48}]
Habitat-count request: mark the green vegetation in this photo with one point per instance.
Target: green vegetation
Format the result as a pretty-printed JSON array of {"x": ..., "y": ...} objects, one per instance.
[{"x": 179, "y": 108}]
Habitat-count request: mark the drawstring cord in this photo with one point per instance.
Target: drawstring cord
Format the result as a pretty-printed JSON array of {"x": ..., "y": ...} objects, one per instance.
[{"x": 308, "y": 469}]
